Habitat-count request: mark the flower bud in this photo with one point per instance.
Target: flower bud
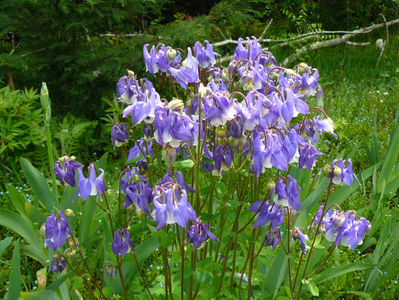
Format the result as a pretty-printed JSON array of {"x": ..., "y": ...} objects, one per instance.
[
  {"x": 176, "y": 104},
  {"x": 70, "y": 253},
  {"x": 147, "y": 131},
  {"x": 110, "y": 270},
  {"x": 338, "y": 219},
  {"x": 69, "y": 213},
  {"x": 337, "y": 171},
  {"x": 302, "y": 67},
  {"x": 225, "y": 76},
  {"x": 291, "y": 72},
  {"x": 171, "y": 54},
  {"x": 131, "y": 74},
  {"x": 327, "y": 170},
  {"x": 169, "y": 156},
  {"x": 232, "y": 66},
  {"x": 271, "y": 185},
  {"x": 221, "y": 131}
]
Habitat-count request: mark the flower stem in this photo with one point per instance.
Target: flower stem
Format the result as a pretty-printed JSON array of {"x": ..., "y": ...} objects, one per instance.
[{"x": 317, "y": 230}]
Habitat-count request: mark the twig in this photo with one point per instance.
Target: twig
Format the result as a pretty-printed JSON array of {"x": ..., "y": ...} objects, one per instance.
[{"x": 266, "y": 28}]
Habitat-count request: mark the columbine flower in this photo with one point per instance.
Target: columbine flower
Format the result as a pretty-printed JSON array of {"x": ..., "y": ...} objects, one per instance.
[
  {"x": 67, "y": 172},
  {"x": 343, "y": 227},
  {"x": 297, "y": 234},
  {"x": 171, "y": 206},
  {"x": 188, "y": 72},
  {"x": 267, "y": 213},
  {"x": 308, "y": 155},
  {"x": 342, "y": 174},
  {"x": 199, "y": 233},
  {"x": 205, "y": 56},
  {"x": 58, "y": 264},
  {"x": 223, "y": 157},
  {"x": 138, "y": 192},
  {"x": 325, "y": 125},
  {"x": 121, "y": 242},
  {"x": 273, "y": 238},
  {"x": 119, "y": 134},
  {"x": 92, "y": 185},
  {"x": 288, "y": 195},
  {"x": 56, "y": 229}
]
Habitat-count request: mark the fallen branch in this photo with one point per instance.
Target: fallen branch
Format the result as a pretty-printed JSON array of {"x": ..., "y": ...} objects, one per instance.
[{"x": 336, "y": 41}]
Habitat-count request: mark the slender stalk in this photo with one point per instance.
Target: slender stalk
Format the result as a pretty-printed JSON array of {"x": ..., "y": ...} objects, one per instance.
[
  {"x": 79, "y": 273},
  {"x": 289, "y": 251},
  {"x": 251, "y": 264},
  {"x": 142, "y": 275},
  {"x": 193, "y": 267},
  {"x": 182, "y": 263},
  {"x": 86, "y": 265},
  {"x": 322, "y": 264},
  {"x": 119, "y": 261},
  {"x": 317, "y": 230}
]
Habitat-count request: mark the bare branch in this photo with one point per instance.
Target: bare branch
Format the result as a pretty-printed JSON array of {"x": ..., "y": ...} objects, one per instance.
[
  {"x": 336, "y": 41},
  {"x": 266, "y": 28},
  {"x": 349, "y": 43}
]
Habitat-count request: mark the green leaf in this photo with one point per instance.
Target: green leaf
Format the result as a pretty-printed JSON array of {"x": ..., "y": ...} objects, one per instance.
[
  {"x": 203, "y": 276},
  {"x": 14, "y": 288},
  {"x": 38, "y": 184},
  {"x": 342, "y": 270},
  {"x": 357, "y": 293},
  {"x": 184, "y": 164},
  {"x": 17, "y": 199},
  {"x": 60, "y": 280},
  {"x": 40, "y": 295},
  {"x": 389, "y": 163},
  {"x": 4, "y": 244},
  {"x": 21, "y": 226},
  {"x": 313, "y": 288},
  {"x": 276, "y": 273}
]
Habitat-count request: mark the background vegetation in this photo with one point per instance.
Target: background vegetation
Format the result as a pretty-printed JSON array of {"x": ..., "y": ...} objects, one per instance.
[{"x": 65, "y": 44}]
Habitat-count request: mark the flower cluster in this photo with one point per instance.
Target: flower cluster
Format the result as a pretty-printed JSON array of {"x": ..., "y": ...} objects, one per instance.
[
  {"x": 343, "y": 227},
  {"x": 56, "y": 230}
]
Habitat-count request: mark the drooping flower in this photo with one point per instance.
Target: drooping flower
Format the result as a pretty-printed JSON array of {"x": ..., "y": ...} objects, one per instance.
[
  {"x": 66, "y": 173},
  {"x": 288, "y": 194},
  {"x": 57, "y": 229},
  {"x": 139, "y": 192},
  {"x": 188, "y": 71},
  {"x": 205, "y": 55},
  {"x": 342, "y": 172},
  {"x": 308, "y": 155},
  {"x": 121, "y": 242},
  {"x": 267, "y": 213},
  {"x": 273, "y": 238},
  {"x": 90, "y": 186},
  {"x": 119, "y": 134},
  {"x": 58, "y": 264},
  {"x": 343, "y": 227},
  {"x": 199, "y": 233},
  {"x": 171, "y": 206},
  {"x": 223, "y": 157},
  {"x": 297, "y": 234}
]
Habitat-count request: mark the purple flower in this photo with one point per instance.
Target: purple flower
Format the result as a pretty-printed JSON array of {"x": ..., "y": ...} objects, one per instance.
[
  {"x": 121, "y": 242},
  {"x": 273, "y": 238},
  {"x": 205, "y": 56},
  {"x": 288, "y": 195},
  {"x": 58, "y": 264},
  {"x": 119, "y": 134},
  {"x": 308, "y": 155},
  {"x": 171, "y": 206},
  {"x": 67, "y": 172},
  {"x": 139, "y": 192},
  {"x": 199, "y": 233},
  {"x": 57, "y": 229},
  {"x": 325, "y": 125},
  {"x": 150, "y": 60},
  {"x": 267, "y": 213},
  {"x": 297, "y": 234},
  {"x": 342, "y": 172},
  {"x": 90, "y": 186},
  {"x": 218, "y": 108},
  {"x": 343, "y": 227},
  {"x": 188, "y": 72},
  {"x": 223, "y": 157}
]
